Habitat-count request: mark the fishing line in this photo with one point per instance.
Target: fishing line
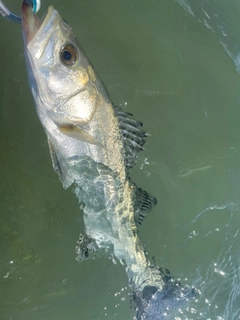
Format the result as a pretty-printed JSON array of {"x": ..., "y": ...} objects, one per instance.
[{"x": 7, "y": 14}]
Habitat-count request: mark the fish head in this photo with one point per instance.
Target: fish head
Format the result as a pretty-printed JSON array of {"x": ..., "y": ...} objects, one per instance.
[{"x": 62, "y": 79}]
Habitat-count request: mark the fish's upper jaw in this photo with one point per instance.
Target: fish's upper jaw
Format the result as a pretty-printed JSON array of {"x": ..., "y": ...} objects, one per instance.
[{"x": 32, "y": 26}]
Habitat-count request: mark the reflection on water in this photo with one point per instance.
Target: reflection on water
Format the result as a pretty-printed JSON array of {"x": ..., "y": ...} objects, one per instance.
[
  {"x": 218, "y": 17},
  {"x": 172, "y": 66}
]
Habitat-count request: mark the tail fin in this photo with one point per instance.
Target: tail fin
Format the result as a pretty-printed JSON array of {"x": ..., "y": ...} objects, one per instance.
[{"x": 153, "y": 304}]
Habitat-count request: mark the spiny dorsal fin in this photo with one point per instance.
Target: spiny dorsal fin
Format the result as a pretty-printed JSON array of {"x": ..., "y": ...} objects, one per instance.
[
  {"x": 133, "y": 137},
  {"x": 143, "y": 204}
]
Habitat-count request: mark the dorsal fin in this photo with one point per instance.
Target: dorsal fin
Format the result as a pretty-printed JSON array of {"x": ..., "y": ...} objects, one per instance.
[
  {"x": 143, "y": 204},
  {"x": 133, "y": 136}
]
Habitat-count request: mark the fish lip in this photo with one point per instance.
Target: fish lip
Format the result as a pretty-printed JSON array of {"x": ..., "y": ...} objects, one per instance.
[{"x": 32, "y": 26}]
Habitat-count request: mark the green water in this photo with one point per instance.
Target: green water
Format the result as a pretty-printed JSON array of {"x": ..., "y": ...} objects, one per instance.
[{"x": 175, "y": 67}]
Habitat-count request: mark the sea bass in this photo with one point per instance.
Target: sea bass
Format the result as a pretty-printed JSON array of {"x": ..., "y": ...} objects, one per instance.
[{"x": 93, "y": 144}]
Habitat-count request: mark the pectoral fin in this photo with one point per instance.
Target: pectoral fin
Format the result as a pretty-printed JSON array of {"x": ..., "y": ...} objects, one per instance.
[
  {"x": 72, "y": 128},
  {"x": 78, "y": 133},
  {"x": 63, "y": 119}
]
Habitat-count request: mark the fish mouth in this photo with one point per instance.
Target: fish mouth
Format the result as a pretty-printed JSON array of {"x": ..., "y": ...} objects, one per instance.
[{"x": 31, "y": 24}]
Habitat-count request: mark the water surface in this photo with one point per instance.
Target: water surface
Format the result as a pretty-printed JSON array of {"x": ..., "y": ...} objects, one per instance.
[{"x": 174, "y": 65}]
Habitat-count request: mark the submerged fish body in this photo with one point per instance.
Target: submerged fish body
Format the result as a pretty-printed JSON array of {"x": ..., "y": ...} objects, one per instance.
[{"x": 92, "y": 145}]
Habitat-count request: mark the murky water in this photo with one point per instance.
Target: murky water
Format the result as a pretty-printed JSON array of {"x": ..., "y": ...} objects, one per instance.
[{"x": 175, "y": 66}]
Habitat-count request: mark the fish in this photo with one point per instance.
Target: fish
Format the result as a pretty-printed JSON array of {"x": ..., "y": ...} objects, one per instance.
[{"x": 93, "y": 145}]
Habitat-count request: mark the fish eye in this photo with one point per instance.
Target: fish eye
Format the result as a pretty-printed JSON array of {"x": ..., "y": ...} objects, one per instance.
[{"x": 69, "y": 55}]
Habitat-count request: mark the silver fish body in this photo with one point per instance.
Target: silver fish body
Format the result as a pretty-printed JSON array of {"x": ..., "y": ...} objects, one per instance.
[
  {"x": 92, "y": 145},
  {"x": 71, "y": 98}
]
